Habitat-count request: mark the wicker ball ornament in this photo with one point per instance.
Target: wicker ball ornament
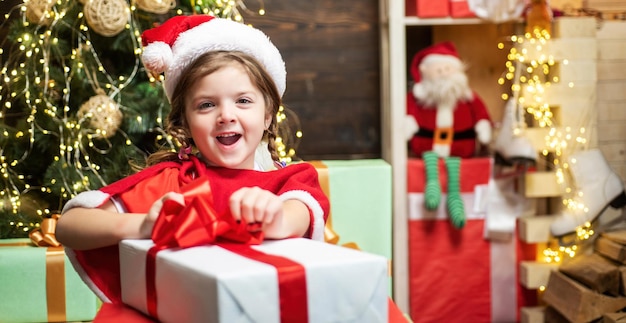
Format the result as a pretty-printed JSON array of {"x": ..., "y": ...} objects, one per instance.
[
  {"x": 107, "y": 17},
  {"x": 156, "y": 6},
  {"x": 36, "y": 11},
  {"x": 104, "y": 114}
]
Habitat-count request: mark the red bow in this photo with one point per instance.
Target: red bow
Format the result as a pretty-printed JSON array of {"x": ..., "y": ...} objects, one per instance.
[{"x": 197, "y": 223}]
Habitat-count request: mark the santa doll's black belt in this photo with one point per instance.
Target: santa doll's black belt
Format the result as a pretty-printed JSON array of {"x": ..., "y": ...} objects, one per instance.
[{"x": 465, "y": 134}]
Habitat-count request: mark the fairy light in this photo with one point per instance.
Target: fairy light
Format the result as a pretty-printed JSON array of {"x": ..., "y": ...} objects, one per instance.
[{"x": 528, "y": 71}]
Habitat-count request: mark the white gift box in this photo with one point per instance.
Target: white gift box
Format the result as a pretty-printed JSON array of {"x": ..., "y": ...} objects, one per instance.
[{"x": 212, "y": 284}]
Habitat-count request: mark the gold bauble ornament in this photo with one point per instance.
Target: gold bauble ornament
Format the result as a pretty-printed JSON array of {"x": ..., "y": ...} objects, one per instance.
[
  {"x": 156, "y": 6},
  {"x": 38, "y": 11},
  {"x": 103, "y": 113},
  {"x": 107, "y": 17}
]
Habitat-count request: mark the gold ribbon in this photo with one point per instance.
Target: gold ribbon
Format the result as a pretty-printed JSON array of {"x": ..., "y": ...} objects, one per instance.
[
  {"x": 44, "y": 235},
  {"x": 55, "y": 267},
  {"x": 330, "y": 235}
]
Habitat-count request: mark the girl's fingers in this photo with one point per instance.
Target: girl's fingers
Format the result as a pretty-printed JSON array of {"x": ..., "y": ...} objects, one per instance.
[{"x": 253, "y": 204}]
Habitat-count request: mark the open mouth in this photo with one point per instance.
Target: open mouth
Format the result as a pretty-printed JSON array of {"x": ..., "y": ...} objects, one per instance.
[{"x": 228, "y": 139}]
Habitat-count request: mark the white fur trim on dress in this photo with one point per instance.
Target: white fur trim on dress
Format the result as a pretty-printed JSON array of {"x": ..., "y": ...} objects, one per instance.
[
  {"x": 313, "y": 205},
  {"x": 88, "y": 199},
  {"x": 223, "y": 34}
]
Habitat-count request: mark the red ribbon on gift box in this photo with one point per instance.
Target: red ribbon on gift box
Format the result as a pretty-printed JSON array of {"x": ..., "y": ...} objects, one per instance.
[{"x": 197, "y": 224}]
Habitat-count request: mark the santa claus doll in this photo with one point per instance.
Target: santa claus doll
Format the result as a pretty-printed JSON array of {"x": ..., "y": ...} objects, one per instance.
[{"x": 445, "y": 119}]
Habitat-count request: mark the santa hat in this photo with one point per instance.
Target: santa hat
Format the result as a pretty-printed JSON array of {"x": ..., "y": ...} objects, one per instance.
[
  {"x": 441, "y": 51},
  {"x": 173, "y": 45}
]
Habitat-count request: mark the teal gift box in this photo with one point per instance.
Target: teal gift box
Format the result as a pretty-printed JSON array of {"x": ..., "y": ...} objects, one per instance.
[
  {"x": 360, "y": 202},
  {"x": 39, "y": 284}
]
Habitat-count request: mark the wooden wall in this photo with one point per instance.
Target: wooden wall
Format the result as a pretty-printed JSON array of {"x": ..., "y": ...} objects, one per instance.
[
  {"x": 332, "y": 53},
  {"x": 611, "y": 93}
]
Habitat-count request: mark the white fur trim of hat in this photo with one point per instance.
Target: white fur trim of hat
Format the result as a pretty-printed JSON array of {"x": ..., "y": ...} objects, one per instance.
[{"x": 173, "y": 45}]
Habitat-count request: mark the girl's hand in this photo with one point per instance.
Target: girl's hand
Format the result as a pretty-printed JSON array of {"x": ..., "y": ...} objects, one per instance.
[
  {"x": 254, "y": 205},
  {"x": 145, "y": 230}
]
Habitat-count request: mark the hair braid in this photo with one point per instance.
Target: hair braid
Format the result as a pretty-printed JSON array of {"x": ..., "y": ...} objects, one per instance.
[{"x": 271, "y": 141}]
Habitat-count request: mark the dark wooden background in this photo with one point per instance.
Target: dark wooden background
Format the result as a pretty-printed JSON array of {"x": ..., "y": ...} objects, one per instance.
[{"x": 332, "y": 52}]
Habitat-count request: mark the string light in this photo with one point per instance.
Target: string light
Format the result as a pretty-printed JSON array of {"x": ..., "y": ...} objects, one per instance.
[{"x": 529, "y": 71}]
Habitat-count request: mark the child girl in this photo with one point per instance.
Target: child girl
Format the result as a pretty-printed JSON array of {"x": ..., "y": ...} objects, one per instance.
[{"x": 224, "y": 81}]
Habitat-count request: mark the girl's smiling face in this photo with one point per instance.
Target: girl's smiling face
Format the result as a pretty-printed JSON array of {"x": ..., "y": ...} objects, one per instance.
[{"x": 227, "y": 117}]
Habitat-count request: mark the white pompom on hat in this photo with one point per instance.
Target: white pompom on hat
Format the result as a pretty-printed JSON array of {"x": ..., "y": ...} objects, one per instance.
[{"x": 173, "y": 45}]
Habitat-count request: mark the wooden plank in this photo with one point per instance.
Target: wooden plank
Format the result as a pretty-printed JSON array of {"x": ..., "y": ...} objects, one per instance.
[
  {"x": 614, "y": 318},
  {"x": 609, "y": 70},
  {"x": 553, "y": 316},
  {"x": 573, "y": 27},
  {"x": 573, "y": 48},
  {"x": 620, "y": 169},
  {"x": 612, "y": 90},
  {"x": 534, "y": 275},
  {"x": 325, "y": 82},
  {"x": 537, "y": 137},
  {"x": 611, "y": 49},
  {"x": 613, "y": 29},
  {"x": 535, "y": 229},
  {"x": 611, "y": 131},
  {"x": 594, "y": 271},
  {"x": 541, "y": 184},
  {"x": 534, "y": 314},
  {"x": 560, "y": 49},
  {"x": 622, "y": 275},
  {"x": 576, "y": 302},
  {"x": 618, "y": 236},
  {"x": 578, "y": 70},
  {"x": 611, "y": 249},
  {"x": 563, "y": 93},
  {"x": 576, "y": 115},
  {"x": 605, "y": 5},
  {"x": 610, "y": 110},
  {"x": 614, "y": 151}
]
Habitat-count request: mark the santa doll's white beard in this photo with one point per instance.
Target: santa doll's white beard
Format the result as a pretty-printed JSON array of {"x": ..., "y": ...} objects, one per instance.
[{"x": 443, "y": 92}]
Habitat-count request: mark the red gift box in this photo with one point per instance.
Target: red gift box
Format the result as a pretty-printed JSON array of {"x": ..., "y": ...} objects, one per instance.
[
  {"x": 427, "y": 8},
  {"x": 460, "y": 9},
  {"x": 457, "y": 274}
]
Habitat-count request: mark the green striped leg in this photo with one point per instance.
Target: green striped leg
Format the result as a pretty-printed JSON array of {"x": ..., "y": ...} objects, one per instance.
[
  {"x": 456, "y": 209},
  {"x": 432, "y": 189}
]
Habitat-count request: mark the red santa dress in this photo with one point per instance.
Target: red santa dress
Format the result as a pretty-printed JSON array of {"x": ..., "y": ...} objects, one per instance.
[{"x": 100, "y": 268}]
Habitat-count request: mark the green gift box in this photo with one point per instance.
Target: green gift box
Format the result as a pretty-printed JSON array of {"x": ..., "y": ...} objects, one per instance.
[
  {"x": 39, "y": 284},
  {"x": 360, "y": 202}
]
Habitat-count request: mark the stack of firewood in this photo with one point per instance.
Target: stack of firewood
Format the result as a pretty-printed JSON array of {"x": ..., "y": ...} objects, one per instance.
[{"x": 590, "y": 287}]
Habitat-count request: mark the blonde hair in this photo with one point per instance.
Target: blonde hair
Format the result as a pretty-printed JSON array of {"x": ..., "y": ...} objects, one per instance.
[{"x": 204, "y": 65}]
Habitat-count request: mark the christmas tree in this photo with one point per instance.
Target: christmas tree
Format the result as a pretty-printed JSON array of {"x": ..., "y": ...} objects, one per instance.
[{"x": 79, "y": 110}]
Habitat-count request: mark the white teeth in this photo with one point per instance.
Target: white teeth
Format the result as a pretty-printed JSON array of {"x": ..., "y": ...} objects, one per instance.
[{"x": 228, "y": 135}]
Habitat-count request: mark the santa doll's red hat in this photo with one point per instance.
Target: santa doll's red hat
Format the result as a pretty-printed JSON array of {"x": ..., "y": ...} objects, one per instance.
[
  {"x": 173, "y": 45},
  {"x": 443, "y": 49}
]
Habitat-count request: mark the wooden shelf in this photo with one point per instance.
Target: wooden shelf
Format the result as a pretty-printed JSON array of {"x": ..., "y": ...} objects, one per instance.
[{"x": 415, "y": 21}]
